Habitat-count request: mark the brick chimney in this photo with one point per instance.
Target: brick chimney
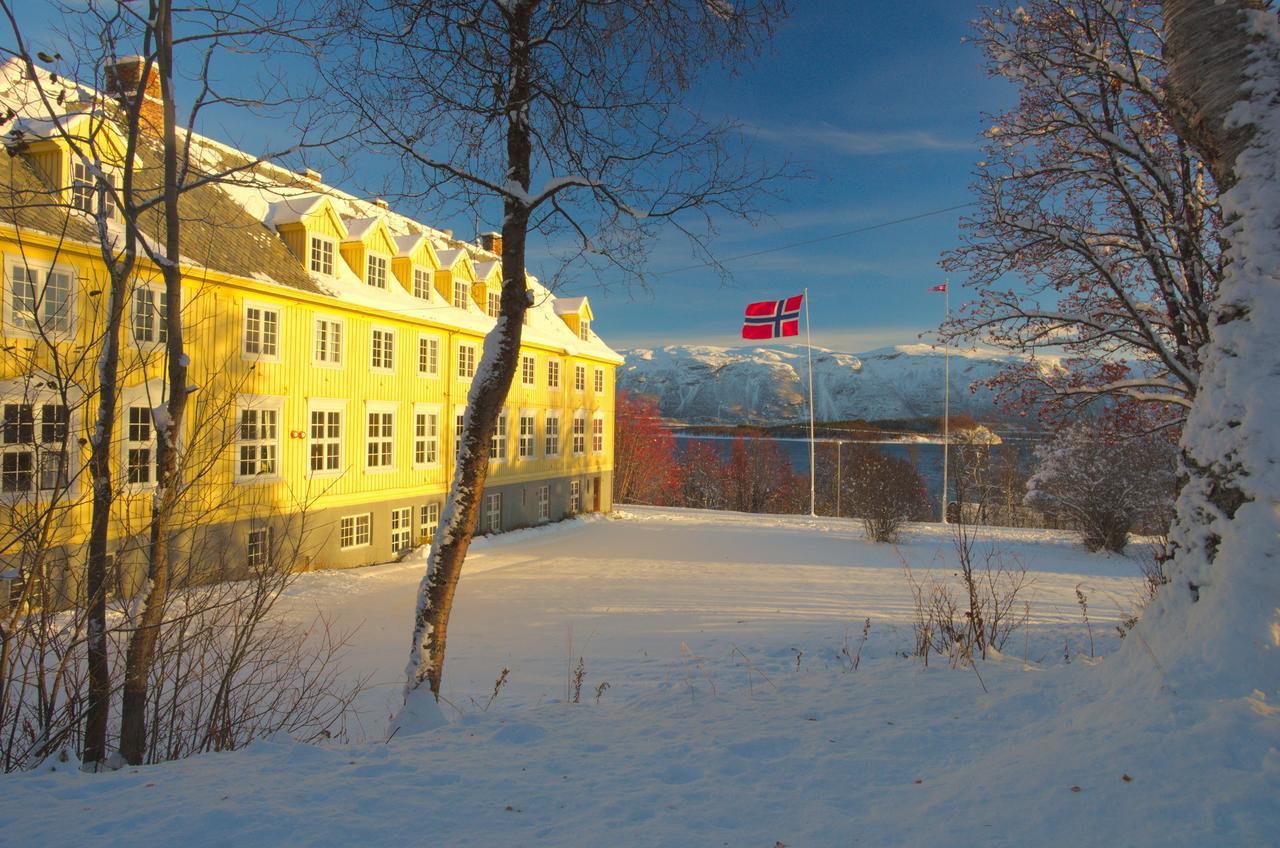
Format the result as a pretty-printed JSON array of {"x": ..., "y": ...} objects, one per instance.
[
  {"x": 492, "y": 242},
  {"x": 122, "y": 82}
]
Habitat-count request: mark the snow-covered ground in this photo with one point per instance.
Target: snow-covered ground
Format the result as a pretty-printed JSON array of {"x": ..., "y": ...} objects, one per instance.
[{"x": 730, "y": 717}]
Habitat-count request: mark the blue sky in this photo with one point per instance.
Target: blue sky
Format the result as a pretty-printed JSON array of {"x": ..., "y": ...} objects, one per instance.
[{"x": 881, "y": 103}]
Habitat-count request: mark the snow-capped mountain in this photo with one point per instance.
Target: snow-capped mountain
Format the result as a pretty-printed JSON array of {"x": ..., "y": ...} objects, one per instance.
[{"x": 704, "y": 385}]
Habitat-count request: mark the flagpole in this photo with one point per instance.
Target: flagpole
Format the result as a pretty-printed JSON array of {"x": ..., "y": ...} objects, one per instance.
[
  {"x": 946, "y": 402},
  {"x": 813, "y": 502}
]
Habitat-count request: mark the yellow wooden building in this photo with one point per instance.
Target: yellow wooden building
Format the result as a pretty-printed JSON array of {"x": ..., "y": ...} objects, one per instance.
[{"x": 333, "y": 342}]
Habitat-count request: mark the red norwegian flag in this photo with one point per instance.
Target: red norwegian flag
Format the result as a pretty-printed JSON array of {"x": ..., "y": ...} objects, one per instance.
[
  {"x": 939, "y": 287},
  {"x": 771, "y": 319}
]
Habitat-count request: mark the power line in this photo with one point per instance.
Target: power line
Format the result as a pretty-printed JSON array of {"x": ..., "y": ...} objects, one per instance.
[{"x": 820, "y": 239}]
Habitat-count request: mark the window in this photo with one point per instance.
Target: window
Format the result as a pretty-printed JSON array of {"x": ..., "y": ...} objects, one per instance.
[
  {"x": 461, "y": 293},
  {"x": 355, "y": 531},
  {"x": 597, "y": 435},
  {"x": 422, "y": 283},
  {"x": 527, "y": 436},
  {"x": 584, "y": 330},
  {"x": 40, "y": 300},
  {"x": 551, "y": 443},
  {"x": 466, "y": 361},
  {"x": 258, "y": 443},
  {"x": 428, "y": 521},
  {"x": 579, "y": 435},
  {"x": 599, "y": 381},
  {"x": 322, "y": 256},
  {"x": 544, "y": 503},
  {"x": 261, "y": 331},
  {"x": 381, "y": 438},
  {"x": 553, "y": 373},
  {"x": 495, "y": 304},
  {"x": 580, "y": 377},
  {"x": 328, "y": 341},
  {"x": 498, "y": 441},
  {"x": 139, "y": 447},
  {"x": 426, "y": 437},
  {"x": 428, "y": 356},
  {"x": 259, "y": 547},
  {"x": 84, "y": 189},
  {"x": 377, "y": 271},
  {"x": 575, "y": 496},
  {"x": 528, "y": 369},
  {"x": 401, "y": 529},
  {"x": 382, "y": 352},
  {"x": 493, "y": 512},
  {"x": 458, "y": 423},
  {"x": 326, "y": 440},
  {"x": 150, "y": 316},
  {"x": 33, "y": 452}
]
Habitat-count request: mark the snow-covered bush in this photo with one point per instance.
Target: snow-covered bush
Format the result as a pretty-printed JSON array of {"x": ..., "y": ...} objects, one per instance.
[
  {"x": 884, "y": 491},
  {"x": 1106, "y": 482}
]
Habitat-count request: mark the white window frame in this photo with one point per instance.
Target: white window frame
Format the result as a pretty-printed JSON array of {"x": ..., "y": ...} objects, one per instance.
[
  {"x": 401, "y": 529},
  {"x": 579, "y": 378},
  {"x": 528, "y": 369},
  {"x": 498, "y": 441},
  {"x": 325, "y": 259},
  {"x": 382, "y": 349},
  {"x": 382, "y": 409},
  {"x": 377, "y": 270},
  {"x": 145, "y": 397},
  {"x": 326, "y": 408},
  {"x": 584, "y": 329},
  {"x": 421, "y": 283},
  {"x": 575, "y": 496},
  {"x": 360, "y": 537},
  {"x": 15, "y": 325},
  {"x": 430, "y": 441},
  {"x": 551, "y": 437},
  {"x": 261, "y": 355},
  {"x": 597, "y": 433},
  {"x": 39, "y": 448},
  {"x": 544, "y": 503},
  {"x": 459, "y": 421},
  {"x": 259, "y": 549},
  {"x": 527, "y": 442},
  {"x": 553, "y": 373},
  {"x": 598, "y": 383},
  {"x": 579, "y": 441},
  {"x": 461, "y": 294},
  {"x": 82, "y": 188},
  {"x": 267, "y": 448},
  {"x": 431, "y": 360},
  {"x": 493, "y": 512},
  {"x": 493, "y": 304},
  {"x": 428, "y": 522},
  {"x": 466, "y": 361},
  {"x": 157, "y": 300},
  {"x": 335, "y": 340}
]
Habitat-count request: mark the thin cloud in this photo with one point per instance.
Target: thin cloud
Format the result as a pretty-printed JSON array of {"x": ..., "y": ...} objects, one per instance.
[{"x": 859, "y": 142}]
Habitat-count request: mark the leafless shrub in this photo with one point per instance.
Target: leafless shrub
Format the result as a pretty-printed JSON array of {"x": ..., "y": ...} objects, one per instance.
[
  {"x": 600, "y": 690},
  {"x": 579, "y": 675},
  {"x": 854, "y": 659}
]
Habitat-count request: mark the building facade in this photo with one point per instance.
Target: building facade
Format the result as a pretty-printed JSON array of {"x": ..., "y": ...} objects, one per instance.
[{"x": 333, "y": 343}]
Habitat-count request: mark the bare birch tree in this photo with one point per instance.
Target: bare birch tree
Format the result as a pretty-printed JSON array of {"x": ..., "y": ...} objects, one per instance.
[{"x": 582, "y": 98}]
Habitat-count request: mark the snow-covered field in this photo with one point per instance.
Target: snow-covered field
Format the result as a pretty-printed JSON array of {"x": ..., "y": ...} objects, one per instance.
[{"x": 730, "y": 719}]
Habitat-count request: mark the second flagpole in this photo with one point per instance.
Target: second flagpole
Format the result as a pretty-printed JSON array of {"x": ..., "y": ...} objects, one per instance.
[{"x": 813, "y": 503}]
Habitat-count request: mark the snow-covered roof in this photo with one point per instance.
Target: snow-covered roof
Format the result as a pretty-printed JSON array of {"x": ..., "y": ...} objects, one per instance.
[
  {"x": 568, "y": 305},
  {"x": 358, "y": 228},
  {"x": 293, "y": 209}
]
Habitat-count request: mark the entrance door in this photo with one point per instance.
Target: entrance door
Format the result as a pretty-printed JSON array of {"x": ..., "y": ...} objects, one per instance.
[{"x": 595, "y": 493}]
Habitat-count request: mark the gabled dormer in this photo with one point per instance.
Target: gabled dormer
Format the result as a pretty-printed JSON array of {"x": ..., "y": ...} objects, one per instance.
[
  {"x": 368, "y": 250},
  {"x": 576, "y": 313},
  {"x": 487, "y": 292},
  {"x": 313, "y": 230},
  {"x": 455, "y": 278},
  {"x": 72, "y": 153},
  {"x": 415, "y": 265}
]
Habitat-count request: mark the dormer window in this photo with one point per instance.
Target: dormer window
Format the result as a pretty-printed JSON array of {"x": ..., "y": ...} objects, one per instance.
[
  {"x": 377, "y": 271},
  {"x": 461, "y": 293},
  {"x": 422, "y": 283},
  {"x": 322, "y": 256},
  {"x": 84, "y": 190},
  {"x": 495, "y": 304},
  {"x": 584, "y": 330}
]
